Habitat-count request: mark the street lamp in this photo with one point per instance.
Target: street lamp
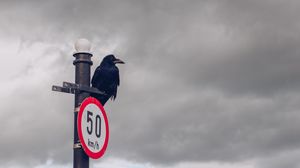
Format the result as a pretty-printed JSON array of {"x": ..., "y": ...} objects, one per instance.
[
  {"x": 81, "y": 88},
  {"x": 82, "y": 64}
]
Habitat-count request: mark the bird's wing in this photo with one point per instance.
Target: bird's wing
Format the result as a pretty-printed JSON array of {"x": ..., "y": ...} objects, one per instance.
[
  {"x": 116, "y": 83},
  {"x": 97, "y": 75}
]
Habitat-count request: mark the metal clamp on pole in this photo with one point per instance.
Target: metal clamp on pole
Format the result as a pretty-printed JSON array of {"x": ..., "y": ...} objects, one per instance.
[
  {"x": 76, "y": 110},
  {"x": 77, "y": 145}
]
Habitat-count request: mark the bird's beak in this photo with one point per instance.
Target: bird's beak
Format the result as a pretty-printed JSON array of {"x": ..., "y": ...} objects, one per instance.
[{"x": 118, "y": 61}]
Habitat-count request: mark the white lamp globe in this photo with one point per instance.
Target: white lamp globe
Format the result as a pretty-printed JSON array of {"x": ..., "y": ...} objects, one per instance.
[{"x": 82, "y": 45}]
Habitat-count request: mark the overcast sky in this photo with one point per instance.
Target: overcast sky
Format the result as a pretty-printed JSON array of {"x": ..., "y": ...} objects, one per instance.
[{"x": 206, "y": 84}]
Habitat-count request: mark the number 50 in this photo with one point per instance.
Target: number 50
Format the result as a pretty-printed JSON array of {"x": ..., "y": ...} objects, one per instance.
[{"x": 97, "y": 125}]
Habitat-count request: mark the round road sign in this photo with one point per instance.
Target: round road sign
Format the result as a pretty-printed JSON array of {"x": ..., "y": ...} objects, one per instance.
[{"x": 92, "y": 126}]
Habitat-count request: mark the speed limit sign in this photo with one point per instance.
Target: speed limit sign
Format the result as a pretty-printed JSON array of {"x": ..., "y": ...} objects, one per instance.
[{"x": 92, "y": 124}]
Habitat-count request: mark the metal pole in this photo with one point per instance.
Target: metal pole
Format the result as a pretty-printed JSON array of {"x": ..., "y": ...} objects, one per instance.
[{"x": 82, "y": 64}]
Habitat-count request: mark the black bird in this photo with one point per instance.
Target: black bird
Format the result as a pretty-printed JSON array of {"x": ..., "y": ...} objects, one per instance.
[{"x": 106, "y": 78}]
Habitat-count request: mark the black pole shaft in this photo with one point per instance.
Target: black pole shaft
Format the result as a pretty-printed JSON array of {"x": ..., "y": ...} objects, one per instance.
[{"x": 82, "y": 64}]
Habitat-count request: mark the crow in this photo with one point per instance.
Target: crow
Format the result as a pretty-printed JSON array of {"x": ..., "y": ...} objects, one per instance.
[{"x": 106, "y": 78}]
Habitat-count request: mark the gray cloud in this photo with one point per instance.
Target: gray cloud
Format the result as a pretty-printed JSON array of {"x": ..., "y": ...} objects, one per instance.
[
  {"x": 283, "y": 159},
  {"x": 203, "y": 81}
]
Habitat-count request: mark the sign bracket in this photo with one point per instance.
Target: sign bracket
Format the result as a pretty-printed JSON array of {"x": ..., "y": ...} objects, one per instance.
[{"x": 73, "y": 88}]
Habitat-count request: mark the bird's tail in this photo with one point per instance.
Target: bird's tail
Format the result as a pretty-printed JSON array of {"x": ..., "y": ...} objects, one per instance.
[{"x": 102, "y": 98}]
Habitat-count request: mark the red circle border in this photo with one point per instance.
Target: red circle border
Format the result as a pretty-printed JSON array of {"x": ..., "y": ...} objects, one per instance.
[{"x": 86, "y": 102}]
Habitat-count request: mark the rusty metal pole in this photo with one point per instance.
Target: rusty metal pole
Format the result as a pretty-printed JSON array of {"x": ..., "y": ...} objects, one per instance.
[{"x": 82, "y": 64}]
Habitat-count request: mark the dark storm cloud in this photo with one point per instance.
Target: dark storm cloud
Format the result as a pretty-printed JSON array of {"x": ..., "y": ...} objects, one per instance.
[
  {"x": 246, "y": 47},
  {"x": 206, "y": 126},
  {"x": 203, "y": 80}
]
